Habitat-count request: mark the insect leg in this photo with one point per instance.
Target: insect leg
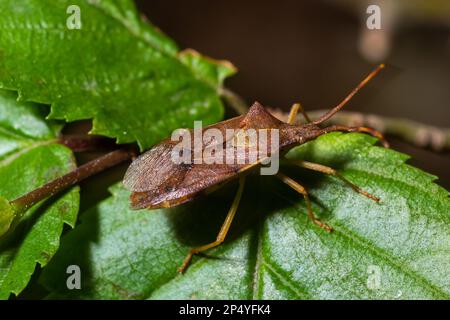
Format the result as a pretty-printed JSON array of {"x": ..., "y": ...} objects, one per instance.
[
  {"x": 296, "y": 107},
  {"x": 223, "y": 230},
  {"x": 373, "y": 132},
  {"x": 300, "y": 189},
  {"x": 330, "y": 171}
]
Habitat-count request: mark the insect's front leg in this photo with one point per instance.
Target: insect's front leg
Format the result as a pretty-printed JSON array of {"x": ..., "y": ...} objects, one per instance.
[
  {"x": 300, "y": 189},
  {"x": 223, "y": 230}
]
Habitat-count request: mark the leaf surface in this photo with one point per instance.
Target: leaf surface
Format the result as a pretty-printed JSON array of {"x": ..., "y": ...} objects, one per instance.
[
  {"x": 397, "y": 249},
  {"x": 115, "y": 69},
  {"x": 30, "y": 157}
]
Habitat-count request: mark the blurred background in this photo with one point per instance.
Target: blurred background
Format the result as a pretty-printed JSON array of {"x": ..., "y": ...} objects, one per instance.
[{"x": 315, "y": 52}]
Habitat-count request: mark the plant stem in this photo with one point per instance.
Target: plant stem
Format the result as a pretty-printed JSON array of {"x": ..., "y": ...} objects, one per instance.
[
  {"x": 415, "y": 133},
  {"x": 83, "y": 142},
  {"x": 234, "y": 100},
  {"x": 57, "y": 185}
]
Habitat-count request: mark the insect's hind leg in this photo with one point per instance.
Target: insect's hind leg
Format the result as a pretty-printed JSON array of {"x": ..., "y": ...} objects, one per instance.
[
  {"x": 296, "y": 107},
  {"x": 330, "y": 171},
  {"x": 223, "y": 230},
  {"x": 372, "y": 132},
  {"x": 300, "y": 189}
]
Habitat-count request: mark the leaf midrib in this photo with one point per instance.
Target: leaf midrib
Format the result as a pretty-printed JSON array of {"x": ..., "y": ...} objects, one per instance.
[{"x": 34, "y": 145}]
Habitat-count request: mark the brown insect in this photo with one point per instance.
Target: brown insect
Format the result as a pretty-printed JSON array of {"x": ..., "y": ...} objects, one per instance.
[{"x": 156, "y": 181}]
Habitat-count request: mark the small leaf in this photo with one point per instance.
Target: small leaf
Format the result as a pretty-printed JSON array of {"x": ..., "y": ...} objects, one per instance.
[
  {"x": 117, "y": 70},
  {"x": 397, "y": 249},
  {"x": 30, "y": 157}
]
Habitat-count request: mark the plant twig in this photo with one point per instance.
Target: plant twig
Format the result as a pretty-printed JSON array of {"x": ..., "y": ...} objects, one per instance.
[
  {"x": 234, "y": 100},
  {"x": 53, "y": 187},
  {"x": 83, "y": 142},
  {"x": 415, "y": 133}
]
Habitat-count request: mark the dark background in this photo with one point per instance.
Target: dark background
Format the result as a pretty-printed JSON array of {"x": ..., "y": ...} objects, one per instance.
[{"x": 310, "y": 51}]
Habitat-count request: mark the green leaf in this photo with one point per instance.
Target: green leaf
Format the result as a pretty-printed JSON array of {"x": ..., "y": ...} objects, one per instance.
[
  {"x": 118, "y": 70},
  {"x": 6, "y": 215},
  {"x": 397, "y": 249},
  {"x": 30, "y": 157}
]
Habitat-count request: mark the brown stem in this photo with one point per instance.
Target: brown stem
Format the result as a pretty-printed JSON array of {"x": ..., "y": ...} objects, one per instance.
[
  {"x": 234, "y": 100},
  {"x": 83, "y": 142},
  {"x": 53, "y": 187},
  {"x": 415, "y": 133}
]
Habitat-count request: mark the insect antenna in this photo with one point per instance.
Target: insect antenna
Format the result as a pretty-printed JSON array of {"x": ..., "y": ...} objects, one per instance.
[{"x": 333, "y": 111}]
